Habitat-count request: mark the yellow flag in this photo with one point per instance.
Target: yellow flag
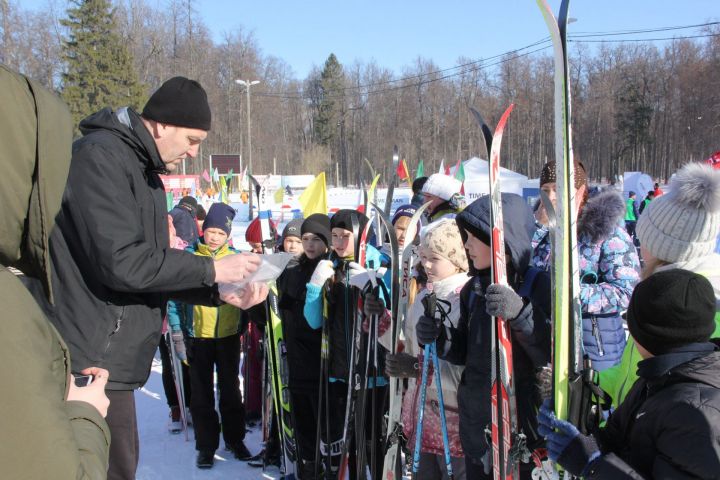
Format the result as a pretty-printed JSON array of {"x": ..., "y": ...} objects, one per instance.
[
  {"x": 223, "y": 190},
  {"x": 279, "y": 195},
  {"x": 314, "y": 198},
  {"x": 372, "y": 188}
]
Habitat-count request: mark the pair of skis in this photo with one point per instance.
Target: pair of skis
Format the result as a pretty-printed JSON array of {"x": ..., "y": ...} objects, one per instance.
[
  {"x": 276, "y": 353},
  {"x": 392, "y": 469},
  {"x": 507, "y": 441}
]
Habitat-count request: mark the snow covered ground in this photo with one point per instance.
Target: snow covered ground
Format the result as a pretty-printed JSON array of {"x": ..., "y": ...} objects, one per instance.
[{"x": 164, "y": 456}]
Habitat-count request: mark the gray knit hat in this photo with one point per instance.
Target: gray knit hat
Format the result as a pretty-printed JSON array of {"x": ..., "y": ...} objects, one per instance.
[{"x": 683, "y": 223}]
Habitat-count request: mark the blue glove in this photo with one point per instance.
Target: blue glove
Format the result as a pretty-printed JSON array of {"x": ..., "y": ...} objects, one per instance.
[{"x": 565, "y": 444}]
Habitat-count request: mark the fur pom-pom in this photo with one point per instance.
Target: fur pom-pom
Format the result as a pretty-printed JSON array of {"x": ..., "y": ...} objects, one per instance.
[{"x": 698, "y": 186}]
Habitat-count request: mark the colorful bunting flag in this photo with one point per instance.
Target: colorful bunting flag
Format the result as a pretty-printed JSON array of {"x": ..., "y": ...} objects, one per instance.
[{"x": 421, "y": 170}]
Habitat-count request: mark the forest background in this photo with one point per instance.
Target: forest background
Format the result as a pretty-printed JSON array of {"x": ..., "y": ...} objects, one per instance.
[{"x": 637, "y": 105}]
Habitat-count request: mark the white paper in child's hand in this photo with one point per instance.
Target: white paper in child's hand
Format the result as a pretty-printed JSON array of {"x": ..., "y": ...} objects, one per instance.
[{"x": 271, "y": 266}]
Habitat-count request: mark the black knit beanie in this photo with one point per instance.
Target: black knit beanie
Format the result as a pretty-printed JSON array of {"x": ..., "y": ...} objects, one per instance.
[
  {"x": 292, "y": 229},
  {"x": 317, "y": 224},
  {"x": 344, "y": 219},
  {"x": 219, "y": 216},
  {"x": 670, "y": 309},
  {"x": 180, "y": 102},
  {"x": 190, "y": 204}
]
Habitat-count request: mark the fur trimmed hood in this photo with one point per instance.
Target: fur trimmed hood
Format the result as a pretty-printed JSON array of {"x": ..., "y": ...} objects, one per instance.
[{"x": 601, "y": 215}]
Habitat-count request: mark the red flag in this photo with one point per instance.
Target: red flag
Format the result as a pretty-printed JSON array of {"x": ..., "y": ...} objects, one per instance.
[
  {"x": 402, "y": 170},
  {"x": 447, "y": 170}
]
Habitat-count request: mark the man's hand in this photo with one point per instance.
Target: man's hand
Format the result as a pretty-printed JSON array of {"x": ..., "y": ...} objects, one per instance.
[
  {"x": 251, "y": 295},
  {"x": 94, "y": 394},
  {"x": 236, "y": 268}
]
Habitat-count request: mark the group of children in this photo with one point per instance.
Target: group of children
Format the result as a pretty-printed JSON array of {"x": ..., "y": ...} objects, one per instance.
[{"x": 663, "y": 380}]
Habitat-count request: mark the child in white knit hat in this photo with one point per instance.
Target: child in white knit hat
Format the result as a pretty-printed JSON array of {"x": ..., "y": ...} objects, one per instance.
[
  {"x": 676, "y": 230},
  {"x": 443, "y": 193}
]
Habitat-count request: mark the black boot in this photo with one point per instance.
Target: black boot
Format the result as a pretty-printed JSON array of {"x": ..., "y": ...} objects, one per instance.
[
  {"x": 205, "y": 459},
  {"x": 240, "y": 451}
]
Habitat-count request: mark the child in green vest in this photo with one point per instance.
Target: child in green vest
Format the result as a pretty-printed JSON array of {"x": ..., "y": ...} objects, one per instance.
[{"x": 212, "y": 337}]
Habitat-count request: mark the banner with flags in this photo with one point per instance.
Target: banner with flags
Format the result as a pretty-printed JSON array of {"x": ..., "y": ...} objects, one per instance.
[
  {"x": 205, "y": 176},
  {"x": 216, "y": 175},
  {"x": 442, "y": 166},
  {"x": 420, "y": 170},
  {"x": 314, "y": 198}
]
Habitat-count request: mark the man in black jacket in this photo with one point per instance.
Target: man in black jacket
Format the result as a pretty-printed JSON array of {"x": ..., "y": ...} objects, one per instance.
[
  {"x": 113, "y": 270},
  {"x": 669, "y": 424}
]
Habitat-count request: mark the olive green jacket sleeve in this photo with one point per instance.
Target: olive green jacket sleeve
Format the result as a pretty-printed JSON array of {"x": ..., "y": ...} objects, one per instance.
[{"x": 41, "y": 434}]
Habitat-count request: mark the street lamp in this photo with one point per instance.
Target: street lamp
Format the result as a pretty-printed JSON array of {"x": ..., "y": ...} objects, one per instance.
[{"x": 247, "y": 84}]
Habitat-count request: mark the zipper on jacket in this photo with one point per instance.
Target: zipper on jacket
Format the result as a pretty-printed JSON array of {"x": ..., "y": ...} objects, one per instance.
[
  {"x": 118, "y": 322},
  {"x": 596, "y": 334}
]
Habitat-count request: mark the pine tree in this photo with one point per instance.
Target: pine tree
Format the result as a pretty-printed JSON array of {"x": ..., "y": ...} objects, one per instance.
[
  {"x": 100, "y": 71},
  {"x": 330, "y": 107}
]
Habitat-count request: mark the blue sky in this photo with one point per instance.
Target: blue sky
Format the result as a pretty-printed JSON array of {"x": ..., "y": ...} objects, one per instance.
[{"x": 395, "y": 32}]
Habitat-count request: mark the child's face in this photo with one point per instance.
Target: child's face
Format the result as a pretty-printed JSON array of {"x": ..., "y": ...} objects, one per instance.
[
  {"x": 293, "y": 245},
  {"x": 436, "y": 266},
  {"x": 343, "y": 242},
  {"x": 434, "y": 200},
  {"x": 401, "y": 226},
  {"x": 313, "y": 245},
  {"x": 215, "y": 238},
  {"x": 478, "y": 252}
]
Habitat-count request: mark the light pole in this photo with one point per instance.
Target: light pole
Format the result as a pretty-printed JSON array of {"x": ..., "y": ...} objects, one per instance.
[{"x": 247, "y": 84}]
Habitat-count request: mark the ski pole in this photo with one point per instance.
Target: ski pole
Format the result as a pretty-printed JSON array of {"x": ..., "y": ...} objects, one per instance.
[
  {"x": 421, "y": 409},
  {"x": 443, "y": 421}
]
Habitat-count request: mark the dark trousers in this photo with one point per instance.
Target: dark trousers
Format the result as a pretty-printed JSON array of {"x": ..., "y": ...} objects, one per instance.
[
  {"x": 124, "y": 443},
  {"x": 630, "y": 227},
  {"x": 305, "y": 408},
  {"x": 205, "y": 355},
  {"x": 168, "y": 380}
]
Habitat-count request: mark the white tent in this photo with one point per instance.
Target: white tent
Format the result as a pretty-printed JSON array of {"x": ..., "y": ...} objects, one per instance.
[{"x": 477, "y": 181}]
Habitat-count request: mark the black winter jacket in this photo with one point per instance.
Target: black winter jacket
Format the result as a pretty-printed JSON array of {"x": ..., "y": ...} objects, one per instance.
[
  {"x": 301, "y": 341},
  {"x": 469, "y": 344},
  {"x": 113, "y": 270},
  {"x": 668, "y": 427}
]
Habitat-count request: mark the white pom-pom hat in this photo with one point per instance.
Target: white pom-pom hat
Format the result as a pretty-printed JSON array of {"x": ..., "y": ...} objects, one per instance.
[{"x": 684, "y": 223}]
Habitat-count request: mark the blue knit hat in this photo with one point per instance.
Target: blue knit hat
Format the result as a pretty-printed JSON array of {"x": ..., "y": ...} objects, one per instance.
[
  {"x": 403, "y": 211},
  {"x": 219, "y": 216}
]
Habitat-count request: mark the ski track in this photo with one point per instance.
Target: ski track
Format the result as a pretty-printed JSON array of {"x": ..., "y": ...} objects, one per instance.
[{"x": 164, "y": 455}]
